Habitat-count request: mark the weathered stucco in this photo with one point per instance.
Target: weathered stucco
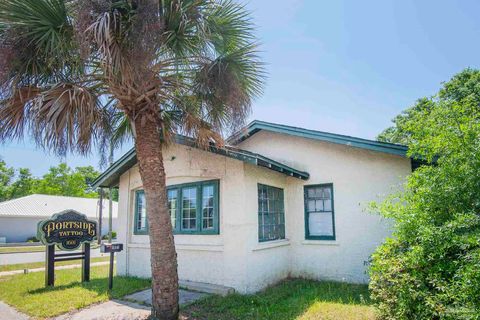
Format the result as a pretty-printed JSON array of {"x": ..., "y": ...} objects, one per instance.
[
  {"x": 358, "y": 177},
  {"x": 235, "y": 258}
]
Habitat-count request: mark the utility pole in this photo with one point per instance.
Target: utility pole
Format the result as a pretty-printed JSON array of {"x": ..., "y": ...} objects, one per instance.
[
  {"x": 110, "y": 204},
  {"x": 110, "y": 213}
]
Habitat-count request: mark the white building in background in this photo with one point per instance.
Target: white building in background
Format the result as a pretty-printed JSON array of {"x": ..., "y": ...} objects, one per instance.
[
  {"x": 278, "y": 201},
  {"x": 19, "y": 217}
]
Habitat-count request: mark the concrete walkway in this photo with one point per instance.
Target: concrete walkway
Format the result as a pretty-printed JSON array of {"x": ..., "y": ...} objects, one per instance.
[
  {"x": 7, "y": 312},
  {"x": 136, "y": 308},
  {"x": 71, "y": 266},
  {"x": 145, "y": 297},
  {"x": 110, "y": 310}
]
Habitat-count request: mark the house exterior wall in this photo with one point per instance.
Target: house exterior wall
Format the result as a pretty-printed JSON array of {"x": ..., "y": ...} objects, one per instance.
[
  {"x": 235, "y": 257},
  {"x": 267, "y": 262},
  {"x": 359, "y": 176},
  {"x": 217, "y": 259},
  {"x": 18, "y": 229}
]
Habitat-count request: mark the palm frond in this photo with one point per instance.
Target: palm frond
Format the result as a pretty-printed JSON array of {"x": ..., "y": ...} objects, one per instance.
[
  {"x": 228, "y": 25},
  {"x": 182, "y": 32},
  {"x": 15, "y": 112},
  {"x": 226, "y": 86},
  {"x": 122, "y": 130},
  {"x": 40, "y": 33},
  {"x": 192, "y": 66},
  {"x": 68, "y": 117}
]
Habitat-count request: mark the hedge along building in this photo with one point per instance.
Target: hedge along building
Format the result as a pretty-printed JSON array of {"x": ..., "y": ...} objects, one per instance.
[{"x": 278, "y": 201}]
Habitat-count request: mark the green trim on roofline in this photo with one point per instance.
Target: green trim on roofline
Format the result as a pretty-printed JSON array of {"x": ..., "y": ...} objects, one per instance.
[
  {"x": 257, "y": 125},
  {"x": 111, "y": 176}
]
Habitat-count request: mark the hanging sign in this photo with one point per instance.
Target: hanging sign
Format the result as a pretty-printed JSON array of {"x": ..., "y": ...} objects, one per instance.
[{"x": 67, "y": 229}]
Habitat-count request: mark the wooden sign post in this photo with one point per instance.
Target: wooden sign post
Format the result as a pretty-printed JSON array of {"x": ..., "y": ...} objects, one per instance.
[
  {"x": 111, "y": 248},
  {"x": 68, "y": 230}
]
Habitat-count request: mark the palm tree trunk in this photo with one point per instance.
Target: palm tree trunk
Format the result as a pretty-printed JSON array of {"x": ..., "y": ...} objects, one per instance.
[{"x": 162, "y": 247}]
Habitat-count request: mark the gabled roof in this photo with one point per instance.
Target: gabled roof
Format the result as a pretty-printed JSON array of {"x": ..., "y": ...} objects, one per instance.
[
  {"x": 41, "y": 205},
  {"x": 256, "y": 126},
  {"x": 111, "y": 176}
]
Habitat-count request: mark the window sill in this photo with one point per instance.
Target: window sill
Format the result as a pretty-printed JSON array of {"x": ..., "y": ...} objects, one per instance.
[
  {"x": 321, "y": 242},
  {"x": 271, "y": 244}
]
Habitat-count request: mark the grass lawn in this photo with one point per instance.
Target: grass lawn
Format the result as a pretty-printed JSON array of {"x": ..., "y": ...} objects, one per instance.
[
  {"x": 292, "y": 299},
  {"x": 34, "y": 265},
  {"x": 27, "y": 293},
  {"x": 22, "y": 249}
]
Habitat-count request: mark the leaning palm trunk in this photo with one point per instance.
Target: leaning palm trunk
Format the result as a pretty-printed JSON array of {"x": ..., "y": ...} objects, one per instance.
[
  {"x": 162, "y": 247},
  {"x": 67, "y": 68}
]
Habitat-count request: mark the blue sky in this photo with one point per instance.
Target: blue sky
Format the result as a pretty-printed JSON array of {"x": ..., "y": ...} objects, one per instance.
[{"x": 341, "y": 66}]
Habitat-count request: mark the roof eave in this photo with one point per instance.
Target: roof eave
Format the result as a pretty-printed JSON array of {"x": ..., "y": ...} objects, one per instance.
[
  {"x": 255, "y": 126},
  {"x": 111, "y": 176}
]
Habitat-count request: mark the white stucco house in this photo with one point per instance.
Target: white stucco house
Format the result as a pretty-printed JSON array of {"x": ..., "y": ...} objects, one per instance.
[
  {"x": 19, "y": 217},
  {"x": 278, "y": 201}
]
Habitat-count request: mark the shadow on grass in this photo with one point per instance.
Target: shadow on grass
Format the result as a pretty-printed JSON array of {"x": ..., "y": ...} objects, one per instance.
[
  {"x": 100, "y": 285},
  {"x": 121, "y": 286},
  {"x": 27, "y": 292},
  {"x": 291, "y": 299}
]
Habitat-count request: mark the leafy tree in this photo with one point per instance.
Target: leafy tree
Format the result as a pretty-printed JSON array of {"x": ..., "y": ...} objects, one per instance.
[
  {"x": 170, "y": 66},
  {"x": 62, "y": 180},
  {"x": 23, "y": 185},
  {"x": 6, "y": 176},
  {"x": 399, "y": 133},
  {"x": 463, "y": 85},
  {"x": 430, "y": 268}
]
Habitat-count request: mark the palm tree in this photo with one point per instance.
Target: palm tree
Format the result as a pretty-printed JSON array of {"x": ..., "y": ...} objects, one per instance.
[{"x": 170, "y": 66}]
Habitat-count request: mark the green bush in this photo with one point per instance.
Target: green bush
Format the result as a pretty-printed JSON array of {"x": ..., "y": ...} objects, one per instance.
[
  {"x": 430, "y": 268},
  {"x": 33, "y": 239},
  {"x": 114, "y": 236}
]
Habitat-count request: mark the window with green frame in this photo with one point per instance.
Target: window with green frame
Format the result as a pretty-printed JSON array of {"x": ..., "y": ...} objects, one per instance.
[
  {"x": 193, "y": 207},
  {"x": 141, "y": 223},
  {"x": 319, "y": 212},
  {"x": 271, "y": 213}
]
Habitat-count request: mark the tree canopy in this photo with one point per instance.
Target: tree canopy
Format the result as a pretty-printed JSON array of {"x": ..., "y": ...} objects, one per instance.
[
  {"x": 464, "y": 85},
  {"x": 59, "y": 180},
  {"x": 430, "y": 267}
]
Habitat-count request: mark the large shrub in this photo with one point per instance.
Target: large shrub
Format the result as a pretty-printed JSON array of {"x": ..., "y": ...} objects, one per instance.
[{"x": 430, "y": 267}]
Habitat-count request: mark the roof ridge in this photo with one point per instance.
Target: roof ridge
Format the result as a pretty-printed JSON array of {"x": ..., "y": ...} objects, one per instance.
[
  {"x": 325, "y": 132},
  {"x": 373, "y": 145}
]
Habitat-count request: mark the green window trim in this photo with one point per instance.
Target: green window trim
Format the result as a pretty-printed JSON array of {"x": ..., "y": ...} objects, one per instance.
[
  {"x": 271, "y": 213},
  {"x": 139, "y": 194},
  {"x": 307, "y": 212},
  {"x": 204, "y": 213}
]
